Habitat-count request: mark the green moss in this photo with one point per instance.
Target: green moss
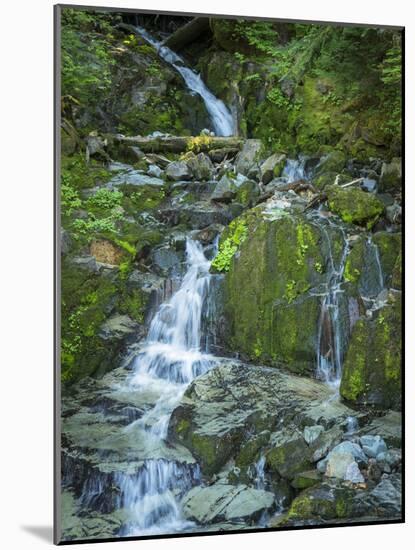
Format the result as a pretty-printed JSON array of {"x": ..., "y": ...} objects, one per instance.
[
  {"x": 372, "y": 367},
  {"x": 354, "y": 205},
  {"x": 235, "y": 235}
]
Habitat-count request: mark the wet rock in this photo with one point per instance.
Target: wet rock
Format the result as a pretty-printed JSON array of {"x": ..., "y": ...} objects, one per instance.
[
  {"x": 374, "y": 471},
  {"x": 354, "y": 205},
  {"x": 304, "y": 480},
  {"x": 353, "y": 474},
  {"x": 226, "y": 502},
  {"x": 388, "y": 426},
  {"x": 368, "y": 185},
  {"x": 373, "y": 445},
  {"x": 311, "y": 433},
  {"x": 133, "y": 178},
  {"x": 178, "y": 171},
  {"x": 208, "y": 234},
  {"x": 289, "y": 458},
  {"x": 272, "y": 167},
  {"x": 324, "y": 501},
  {"x": 154, "y": 171},
  {"x": 225, "y": 190},
  {"x": 166, "y": 261},
  {"x": 222, "y": 410},
  {"x": 394, "y": 213},
  {"x": 347, "y": 447},
  {"x": 247, "y": 160},
  {"x": 118, "y": 327},
  {"x": 390, "y": 461},
  {"x": 265, "y": 288},
  {"x": 372, "y": 367},
  {"x": 391, "y": 176},
  {"x": 333, "y": 163},
  {"x": 201, "y": 167},
  {"x": 385, "y": 500}
]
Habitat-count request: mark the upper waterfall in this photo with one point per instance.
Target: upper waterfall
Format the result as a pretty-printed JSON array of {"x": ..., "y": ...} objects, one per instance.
[{"x": 220, "y": 115}]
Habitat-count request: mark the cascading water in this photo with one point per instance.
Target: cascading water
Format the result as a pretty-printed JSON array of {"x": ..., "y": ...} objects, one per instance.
[
  {"x": 170, "y": 360},
  {"x": 221, "y": 118},
  {"x": 330, "y": 340}
]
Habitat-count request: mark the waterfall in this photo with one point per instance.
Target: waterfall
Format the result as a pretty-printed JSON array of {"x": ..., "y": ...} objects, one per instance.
[
  {"x": 220, "y": 116},
  {"x": 171, "y": 358},
  {"x": 379, "y": 284},
  {"x": 295, "y": 169},
  {"x": 330, "y": 338}
]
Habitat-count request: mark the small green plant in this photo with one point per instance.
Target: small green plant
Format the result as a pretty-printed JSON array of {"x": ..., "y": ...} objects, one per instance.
[
  {"x": 105, "y": 199},
  {"x": 229, "y": 247}
]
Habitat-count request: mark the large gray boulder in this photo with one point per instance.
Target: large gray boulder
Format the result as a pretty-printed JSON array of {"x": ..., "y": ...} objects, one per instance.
[
  {"x": 226, "y": 407},
  {"x": 225, "y": 190},
  {"x": 201, "y": 167},
  {"x": 221, "y": 501},
  {"x": 247, "y": 161},
  {"x": 272, "y": 167},
  {"x": 178, "y": 170},
  {"x": 391, "y": 176}
]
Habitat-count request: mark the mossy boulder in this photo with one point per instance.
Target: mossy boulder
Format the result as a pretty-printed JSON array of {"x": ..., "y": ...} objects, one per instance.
[
  {"x": 271, "y": 315},
  {"x": 322, "y": 502},
  {"x": 229, "y": 412},
  {"x": 289, "y": 458},
  {"x": 371, "y": 262},
  {"x": 372, "y": 368},
  {"x": 389, "y": 246},
  {"x": 333, "y": 162},
  {"x": 354, "y": 205},
  {"x": 304, "y": 480},
  {"x": 391, "y": 176}
]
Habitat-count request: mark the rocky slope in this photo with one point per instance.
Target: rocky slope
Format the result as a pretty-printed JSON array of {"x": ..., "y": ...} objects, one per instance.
[{"x": 297, "y": 422}]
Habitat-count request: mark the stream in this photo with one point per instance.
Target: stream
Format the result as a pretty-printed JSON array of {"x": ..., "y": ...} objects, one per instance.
[{"x": 220, "y": 115}]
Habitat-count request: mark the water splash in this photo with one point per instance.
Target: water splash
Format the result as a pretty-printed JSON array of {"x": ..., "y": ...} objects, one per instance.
[
  {"x": 221, "y": 118},
  {"x": 170, "y": 360},
  {"x": 295, "y": 169}
]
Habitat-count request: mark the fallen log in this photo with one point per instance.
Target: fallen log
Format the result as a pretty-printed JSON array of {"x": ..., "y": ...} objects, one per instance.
[
  {"x": 179, "y": 144},
  {"x": 187, "y": 33}
]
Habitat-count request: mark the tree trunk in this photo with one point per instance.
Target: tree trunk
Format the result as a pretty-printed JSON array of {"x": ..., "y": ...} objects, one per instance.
[
  {"x": 187, "y": 34},
  {"x": 180, "y": 144}
]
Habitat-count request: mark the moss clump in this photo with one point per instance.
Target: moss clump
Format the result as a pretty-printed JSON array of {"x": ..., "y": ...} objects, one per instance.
[
  {"x": 372, "y": 368},
  {"x": 236, "y": 233},
  {"x": 354, "y": 205}
]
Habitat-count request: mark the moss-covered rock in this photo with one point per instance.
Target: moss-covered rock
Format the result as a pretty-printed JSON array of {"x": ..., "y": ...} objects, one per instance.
[
  {"x": 391, "y": 176},
  {"x": 372, "y": 368},
  {"x": 289, "y": 458},
  {"x": 304, "y": 480},
  {"x": 270, "y": 315},
  {"x": 322, "y": 501},
  {"x": 389, "y": 246},
  {"x": 354, "y": 205}
]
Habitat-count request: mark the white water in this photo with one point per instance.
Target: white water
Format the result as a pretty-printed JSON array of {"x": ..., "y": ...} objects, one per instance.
[
  {"x": 379, "y": 270},
  {"x": 329, "y": 362},
  {"x": 170, "y": 360},
  {"x": 294, "y": 169},
  {"x": 221, "y": 118}
]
